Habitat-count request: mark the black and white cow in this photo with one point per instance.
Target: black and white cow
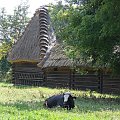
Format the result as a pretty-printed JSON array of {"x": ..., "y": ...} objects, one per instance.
[{"x": 65, "y": 100}]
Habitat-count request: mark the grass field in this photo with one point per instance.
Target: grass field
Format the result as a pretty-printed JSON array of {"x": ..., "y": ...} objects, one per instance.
[{"x": 26, "y": 103}]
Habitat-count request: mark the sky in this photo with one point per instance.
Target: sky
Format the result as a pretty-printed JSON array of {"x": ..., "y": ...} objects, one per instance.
[{"x": 34, "y": 4}]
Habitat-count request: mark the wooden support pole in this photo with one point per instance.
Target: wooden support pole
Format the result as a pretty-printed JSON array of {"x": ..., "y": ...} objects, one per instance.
[
  {"x": 100, "y": 82},
  {"x": 70, "y": 77}
]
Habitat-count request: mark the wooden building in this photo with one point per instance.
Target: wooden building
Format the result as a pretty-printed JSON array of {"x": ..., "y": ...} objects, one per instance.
[
  {"x": 30, "y": 49},
  {"x": 58, "y": 67},
  {"x": 59, "y": 71},
  {"x": 37, "y": 59}
]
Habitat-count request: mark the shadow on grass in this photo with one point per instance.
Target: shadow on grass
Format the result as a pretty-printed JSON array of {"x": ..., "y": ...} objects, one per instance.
[
  {"x": 82, "y": 105},
  {"x": 24, "y": 86},
  {"x": 98, "y": 104},
  {"x": 25, "y": 105},
  {"x": 5, "y": 84}
]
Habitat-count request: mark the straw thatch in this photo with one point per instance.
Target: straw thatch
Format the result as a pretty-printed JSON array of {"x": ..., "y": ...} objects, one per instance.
[
  {"x": 27, "y": 48},
  {"x": 58, "y": 58},
  {"x": 33, "y": 44}
]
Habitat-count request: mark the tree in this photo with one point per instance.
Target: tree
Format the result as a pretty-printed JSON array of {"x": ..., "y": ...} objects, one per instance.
[
  {"x": 109, "y": 37},
  {"x": 91, "y": 31},
  {"x": 11, "y": 28},
  {"x": 18, "y": 21},
  {"x": 56, "y": 18}
]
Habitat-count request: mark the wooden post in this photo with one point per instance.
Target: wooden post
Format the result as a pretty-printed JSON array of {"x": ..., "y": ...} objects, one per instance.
[
  {"x": 13, "y": 74},
  {"x": 44, "y": 77},
  {"x": 100, "y": 82},
  {"x": 73, "y": 79},
  {"x": 70, "y": 74}
]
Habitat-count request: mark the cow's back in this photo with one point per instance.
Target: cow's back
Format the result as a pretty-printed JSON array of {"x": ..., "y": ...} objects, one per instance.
[{"x": 55, "y": 100}]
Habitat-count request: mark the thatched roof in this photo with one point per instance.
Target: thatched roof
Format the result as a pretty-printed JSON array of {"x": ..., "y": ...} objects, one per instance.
[
  {"x": 34, "y": 41},
  {"x": 58, "y": 58},
  {"x": 27, "y": 48}
]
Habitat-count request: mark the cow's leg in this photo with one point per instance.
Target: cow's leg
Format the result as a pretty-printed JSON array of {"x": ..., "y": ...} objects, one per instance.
[{"x": 45, "y": 104}]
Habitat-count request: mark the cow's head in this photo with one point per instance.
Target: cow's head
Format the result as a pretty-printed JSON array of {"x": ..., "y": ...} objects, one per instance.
[{"x": 68, "y": 100}]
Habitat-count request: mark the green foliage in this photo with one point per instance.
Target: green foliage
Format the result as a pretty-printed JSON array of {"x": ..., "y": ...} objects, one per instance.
[
  {"x": 18, "y": 21},
  {"x": 11, "y": 28},
  {"x": 91, "y": 29},
  {"x": 109, "y": 37},
  {"x": 56, "y": 18},
  {"x": 4, "y": 68}
]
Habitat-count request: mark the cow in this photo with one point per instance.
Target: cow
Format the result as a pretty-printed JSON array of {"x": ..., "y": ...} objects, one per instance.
[{"x": 65, "y": 100}]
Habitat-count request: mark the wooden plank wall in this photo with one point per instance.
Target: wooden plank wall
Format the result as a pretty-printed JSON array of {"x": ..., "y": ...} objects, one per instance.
[
  {"x": 57, "y": 79},
  {"x": 85, "y": 82},
  {"x": 72, "y": 81},
  {"x": 27, "y": 74},
  {"x": 111, "y": 84},
  {"x": 30, "y": 74},
  {"x": 34, "y": 79},
  {"x": 94, "y": 82}
]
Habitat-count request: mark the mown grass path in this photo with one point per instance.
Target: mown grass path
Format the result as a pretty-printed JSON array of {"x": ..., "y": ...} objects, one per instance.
[{"x": 26, "y": 103}]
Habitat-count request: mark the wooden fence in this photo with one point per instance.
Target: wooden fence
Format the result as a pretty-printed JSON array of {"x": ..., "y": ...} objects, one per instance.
[
  {"x": 94, "y": 82},
  {"x": 27, "y": 74},
  {"x": 110, "y": 84},
  {"x": 57, "y": 79},
  {"x": 33, "y": 79},
  {"x": 85, "y": 82}
]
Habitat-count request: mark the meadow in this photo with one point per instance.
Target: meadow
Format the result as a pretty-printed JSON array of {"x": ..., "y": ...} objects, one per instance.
[{"x": 26, "y": 103}]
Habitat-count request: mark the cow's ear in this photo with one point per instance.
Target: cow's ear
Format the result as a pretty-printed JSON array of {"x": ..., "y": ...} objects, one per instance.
[{"x": 74, "y": 97}]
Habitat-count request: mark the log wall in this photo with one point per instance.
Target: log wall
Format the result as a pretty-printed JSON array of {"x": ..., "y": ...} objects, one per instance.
[
  {"x": 84, "y": 82},
  {"x": 57, "y": 79},
  {"x": 30, "y": 74},
  {"x": 111, "y": 84},
  {"x": 27, "y": 74}
]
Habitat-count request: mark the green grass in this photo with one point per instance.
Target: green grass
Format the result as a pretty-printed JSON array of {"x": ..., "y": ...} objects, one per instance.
[{"x": 26, "y": 103}]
